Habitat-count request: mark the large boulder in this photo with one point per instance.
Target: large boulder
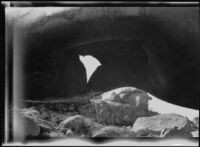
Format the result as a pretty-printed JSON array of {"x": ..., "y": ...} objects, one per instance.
[
  {"x": 120, "y": 106},
  {"x": 163, "y": 125}
]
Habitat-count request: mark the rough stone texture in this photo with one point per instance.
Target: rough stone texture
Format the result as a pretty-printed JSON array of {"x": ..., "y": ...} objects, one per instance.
[
  {"x": 128, "y": 95},
  {"x": 75, "y": 123},
  {"x": 33, "y": 115},
  {"x": 31, "y": 128},
  {"x": 155, "y": 49},
  {"x": 55, "y": 134},
  {"x": 33, "y": 123},
  {"x": 78, "y": 124},
  {"x": 27, "y": 125},
  {"x": 112, "y": 131},
  {"x": 163, "y": 125},
  {"x": 196, "y": 122},
  {"x": 121, "y": 106}
]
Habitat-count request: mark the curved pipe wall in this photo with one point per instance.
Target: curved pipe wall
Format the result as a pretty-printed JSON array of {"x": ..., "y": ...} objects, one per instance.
[{"x": 155, "y": 49}]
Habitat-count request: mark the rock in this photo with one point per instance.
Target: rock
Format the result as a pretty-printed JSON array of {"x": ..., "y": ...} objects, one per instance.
[
  {"x": 163, "y": 125},
  {"x": 127, "y": 95},
  {"x": 26, "y": 126},
  {"x": 195, "y": 134},
  {"x": 31, "y": 128},
  {"x": 45, "y": 126},
  {"x": 69, "y": 133},
  {"x": 79, "y": 125},
  {"x": 196, "y": 122},
  {"x": 53, "y": 116},
  {"x": 121, "y": 106},
  {"x": 56, "y": 134},
  {"x": 112, "y": 131},
  {"x": 75, "y": 123},
  {"x": 44, "y": 129},
  {"x": 34, "y": 116},
  {"x": 30, "y": 112}
]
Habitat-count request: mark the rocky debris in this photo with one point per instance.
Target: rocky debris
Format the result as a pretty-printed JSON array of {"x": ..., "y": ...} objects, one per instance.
[
  {"x": 163, "y": 125},
  {"x": 53, "y": 116},
  {"x": 122, "y": 112},
  {"x": 121, "y": 106},
  {"x": 113, "y": 131}
]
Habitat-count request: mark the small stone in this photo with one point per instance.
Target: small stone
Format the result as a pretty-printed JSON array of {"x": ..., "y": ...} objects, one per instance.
[
  {"x": 195, "y": 134},
  {"x": 71, "y": 108},
  {"x": 69, "y": 133},
  {"x": 76, "y": 123},
  {"x": 44, "y": 129}
]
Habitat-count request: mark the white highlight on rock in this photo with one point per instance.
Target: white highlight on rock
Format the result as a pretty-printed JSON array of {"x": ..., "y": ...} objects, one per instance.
[{"x": 90, "y": 63}]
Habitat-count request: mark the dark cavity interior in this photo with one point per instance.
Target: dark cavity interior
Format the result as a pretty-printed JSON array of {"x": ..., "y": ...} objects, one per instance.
[{"x": 136, "y": 51}]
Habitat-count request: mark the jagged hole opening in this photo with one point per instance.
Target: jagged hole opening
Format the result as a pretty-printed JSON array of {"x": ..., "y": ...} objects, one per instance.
[{"x": 123, "y": 63}]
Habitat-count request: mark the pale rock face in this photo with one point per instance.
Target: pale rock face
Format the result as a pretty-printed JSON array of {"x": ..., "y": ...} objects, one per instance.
[
  {"x": 121, "y": 106},
  {"x": 163, "y": 125},
  {"x": 127, "y": 95}
]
